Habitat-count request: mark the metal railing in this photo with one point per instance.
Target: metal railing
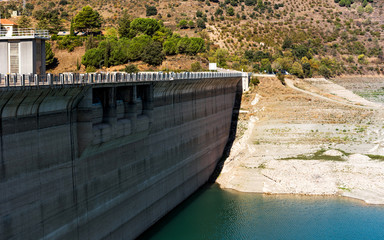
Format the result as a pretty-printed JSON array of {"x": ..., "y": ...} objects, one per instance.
[
  {"x": 24, "y": 80},
  {"x": 25, "y": 32}
]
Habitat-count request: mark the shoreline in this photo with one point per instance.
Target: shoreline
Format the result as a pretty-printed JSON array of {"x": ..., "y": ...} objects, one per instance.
[
  {"x": 359, "y": 200},
  {"x": 256, "y": 160}
]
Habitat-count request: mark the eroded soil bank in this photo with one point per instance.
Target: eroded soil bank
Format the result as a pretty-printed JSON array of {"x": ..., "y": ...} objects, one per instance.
[{"x": 309, "y": 137}]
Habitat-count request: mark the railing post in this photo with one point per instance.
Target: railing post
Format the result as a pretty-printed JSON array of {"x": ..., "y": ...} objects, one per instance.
[
  {"x": 7, "y": 80},
  {"x": 49, "y": 79},
  {"x": 36, "y": 79},
  {"x": 13, "y": 79}
]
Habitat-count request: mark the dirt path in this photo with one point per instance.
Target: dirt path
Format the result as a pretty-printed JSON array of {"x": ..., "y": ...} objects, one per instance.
[
  {"x": 347, "y": 97},
  {"x": 311, "y": 137}
]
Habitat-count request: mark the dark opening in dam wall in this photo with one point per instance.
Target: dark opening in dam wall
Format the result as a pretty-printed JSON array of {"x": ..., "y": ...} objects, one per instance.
[{"x": 106, "y": 161}]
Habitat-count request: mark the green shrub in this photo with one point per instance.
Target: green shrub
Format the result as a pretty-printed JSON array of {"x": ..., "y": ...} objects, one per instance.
[
  {"x": 153, "y": 54},
  {"x": 151, "y": 10},
  {"x": 196, "y": 67},
  {"x": 281, "y": 78},
  {"x": 90, "y": 69},
  {"x": 325, "y": 71},
  {"x": 130, "y": 68},
  {"x": 145, "y": 25},
  {"x": 255, "y": 81},
  {"x": 69, "y": 43}
]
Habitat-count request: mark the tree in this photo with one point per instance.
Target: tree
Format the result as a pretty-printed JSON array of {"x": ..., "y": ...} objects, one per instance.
[
  {"x": 93, "y": 57},
  {"x": 151, "y": 10},
  {"x": 125, "y": 26},
  {"x": 183, "y": 44},
  {"x": 297, "y": 70},
  {"x": 87, "y": 20},
  {"x": 266, "y": 65},
  {"x": 111, "y": 33},
  {"x": 50, "y": 60},
  {"x": 170, "y": 45},
  {"x": 136, "y": 47},
  {"x": 71, "y": 29},
  {"x": 221, "y": 56},
  {"x": 24, "y": 22},
  {"x": 196, "y": 45},
  {"x": 49, "y": 21},
  {"x": 145, "y": 25},
  {"x": 307, "y": 69},
  {"x": 90, "y": 43},
  {"x": 153, "y": 54},
  {"x": 325, "y": 71}
]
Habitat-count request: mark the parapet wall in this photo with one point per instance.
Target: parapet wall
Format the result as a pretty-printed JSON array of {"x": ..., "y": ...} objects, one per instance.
[{"x": 107, "y": 161}]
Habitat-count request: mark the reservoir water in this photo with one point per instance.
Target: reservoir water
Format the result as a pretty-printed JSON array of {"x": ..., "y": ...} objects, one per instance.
[{"x": 216, "y": 214}]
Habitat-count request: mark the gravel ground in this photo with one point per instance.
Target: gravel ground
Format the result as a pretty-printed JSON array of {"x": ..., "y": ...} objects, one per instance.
[{"x": 309, "y": 137}]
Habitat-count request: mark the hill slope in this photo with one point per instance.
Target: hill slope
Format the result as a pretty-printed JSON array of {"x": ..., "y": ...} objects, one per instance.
[{"x": 351, "y": 36}]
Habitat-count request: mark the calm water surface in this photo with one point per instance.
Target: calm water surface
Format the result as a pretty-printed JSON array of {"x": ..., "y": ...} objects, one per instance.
[{"x": 213, "y": 214}]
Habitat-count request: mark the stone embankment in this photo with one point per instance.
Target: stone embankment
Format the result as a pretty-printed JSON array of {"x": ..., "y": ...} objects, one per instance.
[{"x": 310, "y": 137}]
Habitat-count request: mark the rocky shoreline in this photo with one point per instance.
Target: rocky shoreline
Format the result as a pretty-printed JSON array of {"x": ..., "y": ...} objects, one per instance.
[{"x": 312, "y": 137}]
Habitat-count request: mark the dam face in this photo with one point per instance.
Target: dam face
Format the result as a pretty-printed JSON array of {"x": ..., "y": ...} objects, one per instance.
[{"x": 107, "y": 160}]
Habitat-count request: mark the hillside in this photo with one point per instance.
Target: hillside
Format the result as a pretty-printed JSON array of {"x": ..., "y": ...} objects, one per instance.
[{"x": 344, "y": 36}]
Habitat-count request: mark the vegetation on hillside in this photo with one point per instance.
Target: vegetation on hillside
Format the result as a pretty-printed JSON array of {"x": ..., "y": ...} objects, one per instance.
[
  {"x": 143, "y": 39},
  {"x": 303, "y": 37}
]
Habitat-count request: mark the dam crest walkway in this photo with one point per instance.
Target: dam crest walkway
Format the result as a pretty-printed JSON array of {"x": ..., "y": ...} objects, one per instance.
[{"x": 8, "y": 81}]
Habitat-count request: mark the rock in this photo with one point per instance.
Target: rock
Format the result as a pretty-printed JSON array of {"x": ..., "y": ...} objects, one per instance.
[
  {"x": 333, "y": 153},
  {"x": 358, "y": 158}
]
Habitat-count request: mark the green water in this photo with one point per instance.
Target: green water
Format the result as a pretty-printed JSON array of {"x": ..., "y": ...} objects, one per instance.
[{"x": 213, "y": 214}]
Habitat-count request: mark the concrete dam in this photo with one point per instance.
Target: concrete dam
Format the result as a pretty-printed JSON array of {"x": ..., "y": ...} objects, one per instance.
[{"x": 104, "y": 156}]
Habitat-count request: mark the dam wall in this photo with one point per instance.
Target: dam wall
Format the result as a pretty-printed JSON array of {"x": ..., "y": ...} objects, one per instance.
[{"x": 106, "y": 161}]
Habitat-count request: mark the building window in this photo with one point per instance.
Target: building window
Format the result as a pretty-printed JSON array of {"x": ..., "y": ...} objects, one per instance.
[{"x": 14, "y": 57}]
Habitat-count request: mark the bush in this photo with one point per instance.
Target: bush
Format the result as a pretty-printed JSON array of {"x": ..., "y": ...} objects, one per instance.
[
  {"x": 151, "y": 10},
  {"x": 183, "y": 24},
  {"x": 170, "y": 46},
  {"x": 325, "y": 71},
  {"x": 90, "y": 69},
  {"x": 255, "y": 81},
  {"x": 93, "y": 57},
  {"x": 153, "y": 54},
  {"x": 125, "y": 26},
  {"x": 145, "y": 25},
  {"x": 297, "y": 70},
  {"x": 196, "y": 67},
  {"x": 90, "y": 43},
  {"x": 201, "y": 23},
  {"x": 69, "y": 43},
  {"x": 281, "y": 77},
  {"x": 63, "y": 2},
  {"x": 130, "y": 68},
  {"x": 137, "y": 45},
  {"x": 230, "y": 11}
]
